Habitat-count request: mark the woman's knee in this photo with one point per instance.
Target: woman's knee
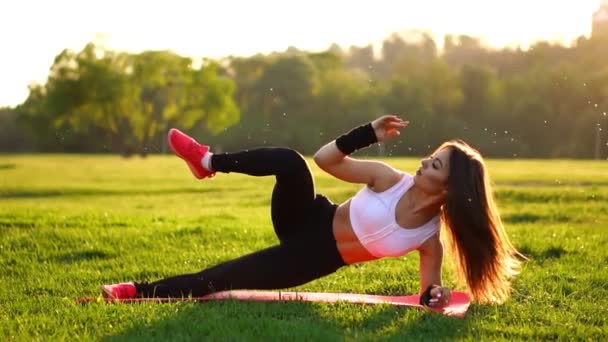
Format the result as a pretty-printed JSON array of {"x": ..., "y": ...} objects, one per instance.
[{"x": 291, "y": 158}]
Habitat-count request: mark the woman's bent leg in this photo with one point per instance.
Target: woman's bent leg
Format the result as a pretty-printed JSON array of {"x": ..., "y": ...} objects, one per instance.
[{"x": 294, "y": 192}]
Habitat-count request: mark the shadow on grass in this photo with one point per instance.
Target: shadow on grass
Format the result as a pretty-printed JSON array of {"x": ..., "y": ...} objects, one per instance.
[
  {"x": 554, "y": 196},
  {"x": 549, "y": 253},
  {"x": 69, "y": 258},
  {"x": 533, "y": 218},
  {"x": 48, "y": 193},
  {"x": 8, "y": 166},
  {"x": 17, "y": 224},
  {"x": 236, "y": 321}
]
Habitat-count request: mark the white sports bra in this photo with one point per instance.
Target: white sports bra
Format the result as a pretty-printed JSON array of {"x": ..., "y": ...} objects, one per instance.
[{"x": 373, "y": 218}]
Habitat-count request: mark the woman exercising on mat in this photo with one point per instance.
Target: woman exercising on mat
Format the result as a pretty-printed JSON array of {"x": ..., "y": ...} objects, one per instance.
[{"x": 393, "y": 214}]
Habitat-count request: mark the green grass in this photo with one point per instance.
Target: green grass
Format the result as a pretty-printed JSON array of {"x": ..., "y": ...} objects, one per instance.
[{"x": 71, "y": 223}]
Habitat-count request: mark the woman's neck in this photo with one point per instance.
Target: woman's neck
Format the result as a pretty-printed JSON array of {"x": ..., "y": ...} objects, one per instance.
[{"x": 422, "y": 203}]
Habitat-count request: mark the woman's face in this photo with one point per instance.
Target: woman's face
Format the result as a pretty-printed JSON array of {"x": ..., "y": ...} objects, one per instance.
[{"x": 432, "y": 176}]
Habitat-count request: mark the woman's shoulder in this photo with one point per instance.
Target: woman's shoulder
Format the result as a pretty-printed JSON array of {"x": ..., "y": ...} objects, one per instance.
[{"x": 391, "y": 180}]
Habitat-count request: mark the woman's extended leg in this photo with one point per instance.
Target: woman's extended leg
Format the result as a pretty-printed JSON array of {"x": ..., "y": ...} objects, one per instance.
[{"x": 277, "y": 267}]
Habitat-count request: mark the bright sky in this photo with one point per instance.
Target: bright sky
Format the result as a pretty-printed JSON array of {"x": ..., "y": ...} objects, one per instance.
[{"x": 33, "y": 32}]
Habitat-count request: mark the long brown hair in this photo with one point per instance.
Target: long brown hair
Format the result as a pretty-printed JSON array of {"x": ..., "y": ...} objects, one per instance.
[{"x": 486, "y": 259}]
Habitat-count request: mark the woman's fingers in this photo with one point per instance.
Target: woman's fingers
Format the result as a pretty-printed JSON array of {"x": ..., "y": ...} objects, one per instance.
[
  {"x": 397, "y": 124},
  {"x": 392, "y": 132},
  {"x": 440, "y": 296},
  {"x": 392, "y": 124},
  {"x": 392, "y": 118},
  {"x": 438, "y": 302},
  {"x": 391, "y": 121},
  {"x": 435, "y": 296},
  {"x": 388, "y": 126}
]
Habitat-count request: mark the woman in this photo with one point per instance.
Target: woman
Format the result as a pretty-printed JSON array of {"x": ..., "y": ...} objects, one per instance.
[{"x": 392, "y": 215}]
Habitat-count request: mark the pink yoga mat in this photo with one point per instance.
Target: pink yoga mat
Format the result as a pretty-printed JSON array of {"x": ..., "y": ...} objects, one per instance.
[{"x": 457, "y": 307}]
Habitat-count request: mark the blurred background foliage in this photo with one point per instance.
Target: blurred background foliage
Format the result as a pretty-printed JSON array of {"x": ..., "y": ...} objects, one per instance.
[{"x": 549, "y": 101}]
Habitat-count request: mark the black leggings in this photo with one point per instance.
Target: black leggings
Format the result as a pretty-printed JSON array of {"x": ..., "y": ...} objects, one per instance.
[{"x": 302, "y": 220}]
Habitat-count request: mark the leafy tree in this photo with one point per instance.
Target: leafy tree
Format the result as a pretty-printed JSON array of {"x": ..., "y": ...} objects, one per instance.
[
  {"x": 127, "y": 101},
  {"x": 548, "y": 101}
]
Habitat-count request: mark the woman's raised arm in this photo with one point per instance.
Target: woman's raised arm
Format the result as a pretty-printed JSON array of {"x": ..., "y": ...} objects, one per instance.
[{"x": 333, "y": 157}]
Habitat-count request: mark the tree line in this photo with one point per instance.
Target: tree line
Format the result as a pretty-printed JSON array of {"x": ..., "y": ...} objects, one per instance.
[{"x": 547, "y": 101}]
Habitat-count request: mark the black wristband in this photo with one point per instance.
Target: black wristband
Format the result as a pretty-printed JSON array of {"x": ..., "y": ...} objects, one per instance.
[
  {"x": 426, "y": 295},
  {"x": 356, "y": 139}
]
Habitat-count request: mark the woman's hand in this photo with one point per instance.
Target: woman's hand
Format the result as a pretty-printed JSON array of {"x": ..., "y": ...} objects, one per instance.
[
  {"x": 440, "y": 297},
  {"x": 387, "y": 126}
]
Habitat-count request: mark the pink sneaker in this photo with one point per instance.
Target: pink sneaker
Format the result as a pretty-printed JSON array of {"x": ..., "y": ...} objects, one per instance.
[
  {"x": 190, "y": 151},
  {"x": 119, "y": 291}
]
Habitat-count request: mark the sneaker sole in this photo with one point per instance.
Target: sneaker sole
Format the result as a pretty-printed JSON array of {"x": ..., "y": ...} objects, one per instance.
[
  {"x": 106, "y": 293},
  {"x": 190, "y": 166}
]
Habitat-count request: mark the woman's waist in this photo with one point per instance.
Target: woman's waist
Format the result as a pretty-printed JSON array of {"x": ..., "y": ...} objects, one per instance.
[{"x": 349, "y": 246}]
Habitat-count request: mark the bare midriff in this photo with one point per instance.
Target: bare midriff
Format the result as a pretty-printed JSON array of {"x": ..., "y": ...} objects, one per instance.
[{"x": 351, "y": 250}]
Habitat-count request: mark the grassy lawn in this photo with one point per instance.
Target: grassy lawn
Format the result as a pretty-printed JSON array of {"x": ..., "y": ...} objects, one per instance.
[{"x": 70, "y": 223}]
